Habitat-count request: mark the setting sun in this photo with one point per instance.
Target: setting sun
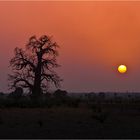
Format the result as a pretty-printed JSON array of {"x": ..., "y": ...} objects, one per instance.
[{"x": 122, "y": 68}]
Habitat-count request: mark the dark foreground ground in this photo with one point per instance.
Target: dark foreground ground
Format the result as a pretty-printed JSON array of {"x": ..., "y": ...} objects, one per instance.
[{"x": 68, "y": 122}]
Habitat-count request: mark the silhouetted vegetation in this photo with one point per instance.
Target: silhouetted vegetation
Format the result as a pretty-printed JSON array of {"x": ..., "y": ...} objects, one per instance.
[
  {"x": 17, "y": 94},
  {"x": 60, "y": 111},
  {"x": 33, "y": 66},
  {"x": 33, "y": 70},
  {"x": 97, "y": 102}
]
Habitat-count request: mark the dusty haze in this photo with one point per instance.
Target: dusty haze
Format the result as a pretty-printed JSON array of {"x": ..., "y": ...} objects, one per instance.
[{"x": 95, "y": 37}]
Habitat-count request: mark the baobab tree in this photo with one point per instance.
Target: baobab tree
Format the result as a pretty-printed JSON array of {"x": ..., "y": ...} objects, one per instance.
[{"x": 33, "y": 66}]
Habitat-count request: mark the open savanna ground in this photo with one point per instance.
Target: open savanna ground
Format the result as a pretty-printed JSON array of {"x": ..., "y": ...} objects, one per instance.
[{"x": 106, "y": 121}]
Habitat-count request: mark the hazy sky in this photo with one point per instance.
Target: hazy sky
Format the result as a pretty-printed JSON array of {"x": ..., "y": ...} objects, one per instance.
[{"x": 95, "y": 37}]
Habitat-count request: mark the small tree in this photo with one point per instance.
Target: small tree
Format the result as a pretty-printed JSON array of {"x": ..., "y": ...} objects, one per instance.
[{"x": 33, "y": 66}]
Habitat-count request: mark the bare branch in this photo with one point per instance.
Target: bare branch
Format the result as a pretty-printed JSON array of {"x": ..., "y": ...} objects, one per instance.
[{"x": 33, "y": 67}]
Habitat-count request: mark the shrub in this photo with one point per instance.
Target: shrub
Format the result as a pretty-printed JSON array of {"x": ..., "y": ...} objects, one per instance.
[
  {"x": 17, "y": 94},
  {"x": 60, "y": 94}
]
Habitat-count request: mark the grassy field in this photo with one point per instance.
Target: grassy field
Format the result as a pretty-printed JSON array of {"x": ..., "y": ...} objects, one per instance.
[{"x": 70, "y": 122}]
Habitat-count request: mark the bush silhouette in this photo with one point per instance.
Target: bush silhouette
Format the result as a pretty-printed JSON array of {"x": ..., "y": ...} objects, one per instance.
[
  {"x": 60, "y": 94},
  {"x": 17, "y": 94}
]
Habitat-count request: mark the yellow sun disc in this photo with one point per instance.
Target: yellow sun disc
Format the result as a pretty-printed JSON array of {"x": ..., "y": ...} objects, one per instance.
[{"x": 122, "y": 68}]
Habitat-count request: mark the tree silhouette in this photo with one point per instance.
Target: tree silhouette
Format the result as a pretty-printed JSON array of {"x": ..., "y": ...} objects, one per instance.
[{"x": 33, "y": 67}]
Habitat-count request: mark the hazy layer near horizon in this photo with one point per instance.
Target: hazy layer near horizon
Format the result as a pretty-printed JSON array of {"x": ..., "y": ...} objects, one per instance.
[{"x": 94, "y": 38}]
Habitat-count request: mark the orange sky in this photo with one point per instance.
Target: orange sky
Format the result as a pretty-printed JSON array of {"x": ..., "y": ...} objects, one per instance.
[{"x": 94, "y": 37}]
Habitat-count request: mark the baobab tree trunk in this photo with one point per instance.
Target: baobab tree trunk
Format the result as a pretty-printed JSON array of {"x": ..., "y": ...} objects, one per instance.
[{"x": 36, "y": 92}]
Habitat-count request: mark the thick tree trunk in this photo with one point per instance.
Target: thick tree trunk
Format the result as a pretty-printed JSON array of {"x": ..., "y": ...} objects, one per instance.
[{"x": 37, "y": 82}]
